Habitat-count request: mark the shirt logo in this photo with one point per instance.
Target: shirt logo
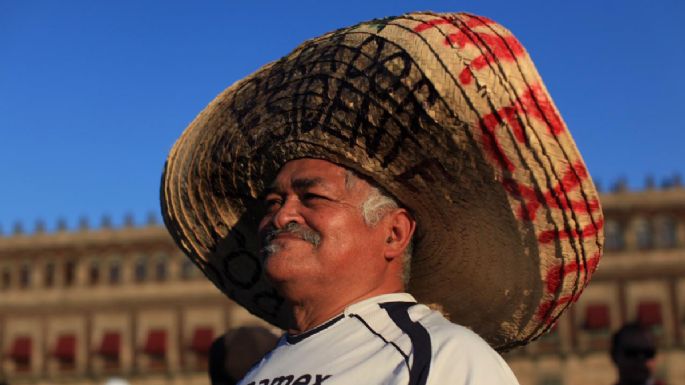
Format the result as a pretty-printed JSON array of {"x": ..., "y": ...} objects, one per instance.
[{"x": 305, "y": 379}]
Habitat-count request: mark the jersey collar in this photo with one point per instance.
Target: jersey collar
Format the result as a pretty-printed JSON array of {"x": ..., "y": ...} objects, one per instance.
[
  {"x": 373, "y": 302},
  {"x": 355, "y": 308}
]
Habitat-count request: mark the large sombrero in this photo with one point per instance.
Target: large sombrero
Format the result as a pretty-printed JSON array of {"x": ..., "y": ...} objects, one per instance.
[{"x": 444, "y": 111}]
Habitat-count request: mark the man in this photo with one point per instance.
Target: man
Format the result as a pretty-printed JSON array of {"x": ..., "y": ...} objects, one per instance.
[
  {"x": 633, "y": 350},
  {"x": 410, "y": 159},
  {"x": 336, "y": 250}
]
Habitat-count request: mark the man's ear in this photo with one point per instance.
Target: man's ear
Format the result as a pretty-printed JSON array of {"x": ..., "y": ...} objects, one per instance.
[{"x": 400, "y": 228}]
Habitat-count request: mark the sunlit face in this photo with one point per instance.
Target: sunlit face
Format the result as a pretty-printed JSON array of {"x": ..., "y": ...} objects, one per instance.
[{"x": 322, "y": 245}]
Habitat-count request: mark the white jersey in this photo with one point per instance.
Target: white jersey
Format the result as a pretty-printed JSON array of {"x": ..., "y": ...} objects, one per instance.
[{"x": 389, "y": 339}]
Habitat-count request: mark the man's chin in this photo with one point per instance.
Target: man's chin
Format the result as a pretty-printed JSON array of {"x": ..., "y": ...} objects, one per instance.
[
  {"x": 284, "y": 269},
  {"x": 278, "y": 266}
]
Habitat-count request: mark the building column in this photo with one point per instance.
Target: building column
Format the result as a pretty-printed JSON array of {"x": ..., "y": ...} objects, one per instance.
[
  {"x": 2, "y": 344},
  {"x": 133, "y": 319},
  {"x": 675, "y": 310},
  {"x": 622, "y": 301},
  {"x": 180, "y": 327},
  {"x": 44, "y": 347},
  {"x": 89, "y": 344}
]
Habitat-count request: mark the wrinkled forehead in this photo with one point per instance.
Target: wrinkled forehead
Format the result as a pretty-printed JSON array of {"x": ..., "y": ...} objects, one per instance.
[{"x": 308, "y": 172}]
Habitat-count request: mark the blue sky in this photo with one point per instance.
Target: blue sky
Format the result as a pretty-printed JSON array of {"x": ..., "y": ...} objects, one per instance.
[{"x": 94, "y": 93}]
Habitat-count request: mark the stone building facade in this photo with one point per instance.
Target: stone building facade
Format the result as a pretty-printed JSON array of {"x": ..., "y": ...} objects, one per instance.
[{"x": 77, "y": 307}]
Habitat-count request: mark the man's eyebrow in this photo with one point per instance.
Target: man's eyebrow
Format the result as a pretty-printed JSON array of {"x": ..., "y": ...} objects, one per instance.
[
  {"x": 304, "y": 183},
  {"x": 298, "y": 184}
]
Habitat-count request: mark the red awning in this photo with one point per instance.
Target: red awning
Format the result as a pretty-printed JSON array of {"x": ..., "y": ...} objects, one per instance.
[
  {"x": 597, "y": 317},
  {"x": 65, "y": 350},
  {"x": 21, "y": 349},
  {"x": 202, "y": 340},
  {"x": 649, "y": 314},
  {"x": 110, "y": 345},
  {"x": 156, "y": 342}
]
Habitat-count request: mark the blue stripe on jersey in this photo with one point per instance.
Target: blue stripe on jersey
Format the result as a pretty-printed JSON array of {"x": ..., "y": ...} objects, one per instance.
[
  {"x": 406, "y": 357},
  {"x": 293, "y": 339},
  {"x": 420, "y": 340}
]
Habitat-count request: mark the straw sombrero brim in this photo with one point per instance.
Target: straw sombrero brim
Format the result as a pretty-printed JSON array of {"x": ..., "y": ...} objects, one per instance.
[{"x": 444, "y": 111}]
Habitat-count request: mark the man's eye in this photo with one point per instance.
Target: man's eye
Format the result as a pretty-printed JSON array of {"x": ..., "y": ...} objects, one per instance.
[
  {"x": 272, "y": 203},
  {"x": 311, "y": 196}
]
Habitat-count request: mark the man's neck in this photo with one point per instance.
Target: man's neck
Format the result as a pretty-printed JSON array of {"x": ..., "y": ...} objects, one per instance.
[{"x": 310, "y": 314}]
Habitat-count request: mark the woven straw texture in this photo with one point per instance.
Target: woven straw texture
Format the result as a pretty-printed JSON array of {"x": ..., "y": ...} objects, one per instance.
[{"x": 446, "y": 112}]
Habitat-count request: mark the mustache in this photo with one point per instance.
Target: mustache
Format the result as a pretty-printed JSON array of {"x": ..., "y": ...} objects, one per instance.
[{"x": 294, "y": 228}]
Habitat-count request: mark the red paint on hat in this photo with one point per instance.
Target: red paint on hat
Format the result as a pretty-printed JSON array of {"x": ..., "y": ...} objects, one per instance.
[
  {"x": 590, "y": 230},
  {"x": 534, "y": 198}
]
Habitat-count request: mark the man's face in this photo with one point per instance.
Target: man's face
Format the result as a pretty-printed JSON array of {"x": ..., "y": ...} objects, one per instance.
[
  {"x": 634, "y": 357},
  {"x": 314, "y": 237}
]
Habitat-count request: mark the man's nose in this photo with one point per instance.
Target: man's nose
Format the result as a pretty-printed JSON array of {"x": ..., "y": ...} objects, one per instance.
[{"x": 288, "y": 212}]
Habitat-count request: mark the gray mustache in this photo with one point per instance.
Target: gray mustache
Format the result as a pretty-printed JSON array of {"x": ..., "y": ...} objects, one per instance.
[{"x": 294, "y": 228}]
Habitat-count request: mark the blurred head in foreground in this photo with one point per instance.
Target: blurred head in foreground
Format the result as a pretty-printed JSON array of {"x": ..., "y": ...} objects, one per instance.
[
  {"x": 633, "y": 350},
  {"x": 233, "y": 354}
]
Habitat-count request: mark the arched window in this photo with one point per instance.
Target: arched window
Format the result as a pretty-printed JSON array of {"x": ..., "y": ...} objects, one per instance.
[
  {"x": 161, "y": 268},
  {"x": 21, "y": 352},
  {"x": 114, "y": 272},
  {"x": 666, "y": 232},
  {"x": 140, "y": 269},
  {"x": 24, "y": 276},
  {"x": 6, "y": 278},
  {"x": 643, "y": 234},
  {"x": 69, "y": 273},
  {"x": 49, "y": 277},
  {"x": 614, "y": 235},
  {"x": 110, "y": 349},
  {"x": 94, "y": 273}
]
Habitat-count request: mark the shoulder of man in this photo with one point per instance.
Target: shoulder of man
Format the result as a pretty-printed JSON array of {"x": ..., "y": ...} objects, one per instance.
[{"x": 458, "y": 355}]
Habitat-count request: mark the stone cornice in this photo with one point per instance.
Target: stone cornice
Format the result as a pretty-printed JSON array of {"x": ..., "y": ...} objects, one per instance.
[{"x": 660, "y": 200}]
